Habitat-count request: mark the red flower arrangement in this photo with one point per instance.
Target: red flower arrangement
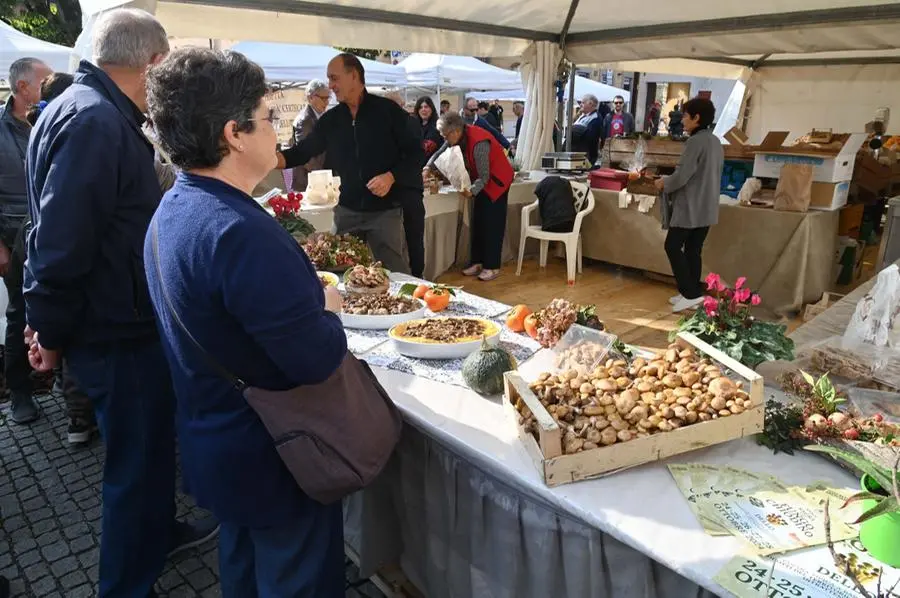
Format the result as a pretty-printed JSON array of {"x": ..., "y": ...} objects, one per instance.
[{"x": 287, "y": 213}]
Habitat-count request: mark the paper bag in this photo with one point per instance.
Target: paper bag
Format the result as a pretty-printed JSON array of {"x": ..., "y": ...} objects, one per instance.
[
  {"x": 453, "y": 167},
  {"x": 794, "y": 190}
]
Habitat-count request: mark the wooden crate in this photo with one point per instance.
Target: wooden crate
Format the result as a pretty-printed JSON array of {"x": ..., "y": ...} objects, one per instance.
[
  {"x": 664, "y": 153},
  {"x": 556, "y": 468}
]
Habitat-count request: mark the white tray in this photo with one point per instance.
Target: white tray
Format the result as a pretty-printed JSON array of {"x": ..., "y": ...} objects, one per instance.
[
  {"x": 360, "y": 322},
  {"x": 440, "y": 350}
]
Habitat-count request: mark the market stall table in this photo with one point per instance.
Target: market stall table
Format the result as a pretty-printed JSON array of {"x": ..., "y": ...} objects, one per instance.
[
  {"x": 787, "y": 257},
  {"x": 462, "y": 509}
]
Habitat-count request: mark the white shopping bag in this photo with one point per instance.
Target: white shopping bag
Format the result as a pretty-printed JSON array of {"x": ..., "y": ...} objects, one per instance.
[
  {"x": 877, "y": 317},
  {"x": 453, "y": 166}
]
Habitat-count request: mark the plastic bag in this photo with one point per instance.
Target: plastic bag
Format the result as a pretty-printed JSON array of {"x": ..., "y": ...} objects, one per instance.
[
  {"x": 453, "y": 167},
  {"x": 639, "y": 162},
  {"x": 853, "y": 362},
  {"x": 875, "y": 320},
  {"x": 870, "y": 402},
  {"x": 749, "y": 190}
]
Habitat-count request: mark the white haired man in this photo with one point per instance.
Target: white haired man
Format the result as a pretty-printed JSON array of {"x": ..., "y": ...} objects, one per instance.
[
  {"x": 92, "y": 189},
  {"x": 25, "y": 76},
  {"x": 318, "y": 96}
]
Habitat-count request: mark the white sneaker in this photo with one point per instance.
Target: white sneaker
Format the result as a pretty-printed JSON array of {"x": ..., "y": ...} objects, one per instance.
[
  {"x": 675, "y": 299},
  {"x": 685, "y": 304}
]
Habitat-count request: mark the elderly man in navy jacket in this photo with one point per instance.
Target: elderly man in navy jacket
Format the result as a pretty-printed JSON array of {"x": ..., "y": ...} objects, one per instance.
[{"x": 92, "y": 189}]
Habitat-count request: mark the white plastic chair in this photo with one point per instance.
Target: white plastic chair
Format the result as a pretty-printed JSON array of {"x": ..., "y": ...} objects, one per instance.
[{"x": 584, "y": 205}]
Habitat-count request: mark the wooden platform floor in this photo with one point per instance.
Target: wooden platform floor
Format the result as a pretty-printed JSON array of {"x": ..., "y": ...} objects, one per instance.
[{"x": 631, "y": 305}]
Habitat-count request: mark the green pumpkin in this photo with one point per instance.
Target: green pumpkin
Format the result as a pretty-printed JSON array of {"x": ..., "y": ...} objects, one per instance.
[{"x": 483, "y": 370}]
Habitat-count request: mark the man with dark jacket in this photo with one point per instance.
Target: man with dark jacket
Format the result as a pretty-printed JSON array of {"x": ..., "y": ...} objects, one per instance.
[
  {"x": 25, "y": 76},
  {"x": 92, "y": 189},
  {"x": 471, "y": 116},
  {"x": 370, "y": 143}
]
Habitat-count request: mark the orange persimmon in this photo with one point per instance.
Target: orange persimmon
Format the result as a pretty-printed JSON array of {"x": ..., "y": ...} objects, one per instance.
[
  {"x": 531, "y": 325},
  {"x": 437, "y": 299},
  {"x": 515, "y": 321}
]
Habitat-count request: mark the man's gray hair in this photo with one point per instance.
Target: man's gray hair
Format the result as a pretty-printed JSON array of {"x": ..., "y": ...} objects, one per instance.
[
  {"x": 22, "y": 70},
  {"x": 450, "y": 121},
  {"x": 589, "y": 97},
  {"x": 128, "y": 38},
  {"x": 315, "y": 86}
]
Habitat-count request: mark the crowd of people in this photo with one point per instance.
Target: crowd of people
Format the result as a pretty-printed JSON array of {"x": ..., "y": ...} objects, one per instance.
[{"x": 141, "y": 274}]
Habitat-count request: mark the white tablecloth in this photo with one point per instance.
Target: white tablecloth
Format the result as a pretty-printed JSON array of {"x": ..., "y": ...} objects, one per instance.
[{"x": 641, "y": 508}]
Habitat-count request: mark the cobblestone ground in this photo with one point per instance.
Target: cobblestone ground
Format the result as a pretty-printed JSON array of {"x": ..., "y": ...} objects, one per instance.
[{"x": 50, "y": 510}]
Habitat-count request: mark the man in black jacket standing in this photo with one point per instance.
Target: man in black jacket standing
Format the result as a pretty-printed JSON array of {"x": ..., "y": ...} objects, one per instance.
[
  {"x": 92, "y": 189},
  {"x": 370, "y": 144}
]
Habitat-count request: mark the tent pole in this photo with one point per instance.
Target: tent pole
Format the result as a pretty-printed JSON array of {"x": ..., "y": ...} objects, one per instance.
[{"x": 570, "y": 106}]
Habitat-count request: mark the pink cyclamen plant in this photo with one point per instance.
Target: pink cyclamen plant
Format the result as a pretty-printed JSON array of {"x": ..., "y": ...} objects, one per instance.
[{"x": 723, "y": 300}]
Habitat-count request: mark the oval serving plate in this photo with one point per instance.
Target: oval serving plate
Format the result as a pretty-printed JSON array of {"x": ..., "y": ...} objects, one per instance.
[
  {"x": 361, "y": 322},
  {"x": 435, "y": 350}
]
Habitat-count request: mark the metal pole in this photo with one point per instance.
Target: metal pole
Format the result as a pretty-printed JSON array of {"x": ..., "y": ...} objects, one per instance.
[{"x": 570, "y": 107}]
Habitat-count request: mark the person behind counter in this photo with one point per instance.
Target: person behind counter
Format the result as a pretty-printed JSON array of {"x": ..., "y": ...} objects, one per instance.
[
  {"x": 378, "y": 155},
  {"x": 491, "y": 175},
  {"x": 431, "y": 138},
  {"x": 212, "y": 258},
  {"x": 691, "y": 201}
]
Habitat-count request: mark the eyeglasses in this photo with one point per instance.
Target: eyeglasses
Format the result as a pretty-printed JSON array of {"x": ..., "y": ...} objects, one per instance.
[
  {"x": 618, "y": 103},
  {"x": 272, "y": 118}
]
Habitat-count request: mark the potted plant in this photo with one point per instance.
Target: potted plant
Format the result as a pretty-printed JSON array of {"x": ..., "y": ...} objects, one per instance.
[
  {"x": 725, "y": 322},
  {"x": 287, "y": 213},
  {"x": 879, "y": 530}
]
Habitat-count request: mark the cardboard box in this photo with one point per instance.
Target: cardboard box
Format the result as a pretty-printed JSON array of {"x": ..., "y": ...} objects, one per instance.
[
  {"x": 871, "y": 174},
  {"x": 735, "y": 136},
  {"x": 829, "y": 165},
  {"x": 850, "y": 220},
  {"x": 829, "y": 196}
]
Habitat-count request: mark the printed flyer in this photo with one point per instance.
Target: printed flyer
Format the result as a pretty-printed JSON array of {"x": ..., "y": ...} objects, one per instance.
[{"x": 809, "y": 574}]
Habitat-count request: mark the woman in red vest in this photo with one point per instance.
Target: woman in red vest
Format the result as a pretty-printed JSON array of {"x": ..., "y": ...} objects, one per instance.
[{"x": 491, "y": 175}]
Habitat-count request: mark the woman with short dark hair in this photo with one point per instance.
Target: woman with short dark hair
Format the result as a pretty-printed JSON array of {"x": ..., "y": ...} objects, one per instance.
[
  {"x": 245, "y": 290},
  {"x": 491, "y": 175},
  {"x": 691, "y": 201}
]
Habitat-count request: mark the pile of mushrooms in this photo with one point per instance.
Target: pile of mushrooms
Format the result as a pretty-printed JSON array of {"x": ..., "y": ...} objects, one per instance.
[{"x": 617, "y": 401}]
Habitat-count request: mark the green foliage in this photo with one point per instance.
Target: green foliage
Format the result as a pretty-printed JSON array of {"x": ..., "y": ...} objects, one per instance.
[
  {"x": 884, "y": 503},
  {"x": 826, "y": 395},
  {"x": 780, "y": 427},
  {"x": 54, "y": 21},
  {"x": 745, "y": 339},
  {"x": 363, "y": 53}
]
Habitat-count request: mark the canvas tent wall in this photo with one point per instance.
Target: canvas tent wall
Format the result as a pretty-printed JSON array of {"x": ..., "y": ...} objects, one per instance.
[
  {"x": 457, "y": 73},
  {"x": 296, "y": 63},
  {"x": 583, "y": 85},
  {"x": 14, "y": 45},
  {"x": 721, "y": 32}
]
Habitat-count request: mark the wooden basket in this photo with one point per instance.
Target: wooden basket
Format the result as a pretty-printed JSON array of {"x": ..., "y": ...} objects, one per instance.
[{"x": 556, "y": 468}]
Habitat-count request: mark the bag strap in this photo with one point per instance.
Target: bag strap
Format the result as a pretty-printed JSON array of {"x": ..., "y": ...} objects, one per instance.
[{"x": 217, "y": 367}]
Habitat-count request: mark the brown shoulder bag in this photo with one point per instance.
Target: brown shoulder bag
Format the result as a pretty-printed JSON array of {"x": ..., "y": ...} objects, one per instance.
[{"x": 334, "y": 437}]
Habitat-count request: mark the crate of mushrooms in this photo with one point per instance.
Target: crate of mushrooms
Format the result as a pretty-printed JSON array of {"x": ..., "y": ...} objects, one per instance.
[{"x": 579, "y": 425}]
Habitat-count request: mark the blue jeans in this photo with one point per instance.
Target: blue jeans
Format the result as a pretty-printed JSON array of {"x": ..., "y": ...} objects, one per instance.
[
  {"x": 131, "y": 389},
  {"x": 300, "y": 558}
]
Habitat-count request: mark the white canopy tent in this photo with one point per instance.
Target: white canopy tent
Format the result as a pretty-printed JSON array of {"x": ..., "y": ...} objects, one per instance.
[
  {"x": 583, "y": 85},
  {"x": 14, "y": 45},
  {"x": 295, "y": 63},
  {"x": 735, "y": 33},
  {"x": 440, "y": 71}
]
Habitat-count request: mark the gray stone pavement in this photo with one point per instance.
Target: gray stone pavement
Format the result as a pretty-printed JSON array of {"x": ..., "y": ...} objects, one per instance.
[{"x": 50, "y": 512}]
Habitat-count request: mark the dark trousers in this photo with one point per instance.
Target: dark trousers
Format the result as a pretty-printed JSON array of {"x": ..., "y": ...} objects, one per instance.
[
  {"x": 488, "y": 229},
  {"x": 130, "y": 386},
  {"x": 684, "y": 247},
  {"x": 78, "y": 404},
  {"x": 15, "y": 365},
  {"x": 382, "y": 231},
  {"x": 301, "y": 558},
  {"x": 414, "y": 229}
]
